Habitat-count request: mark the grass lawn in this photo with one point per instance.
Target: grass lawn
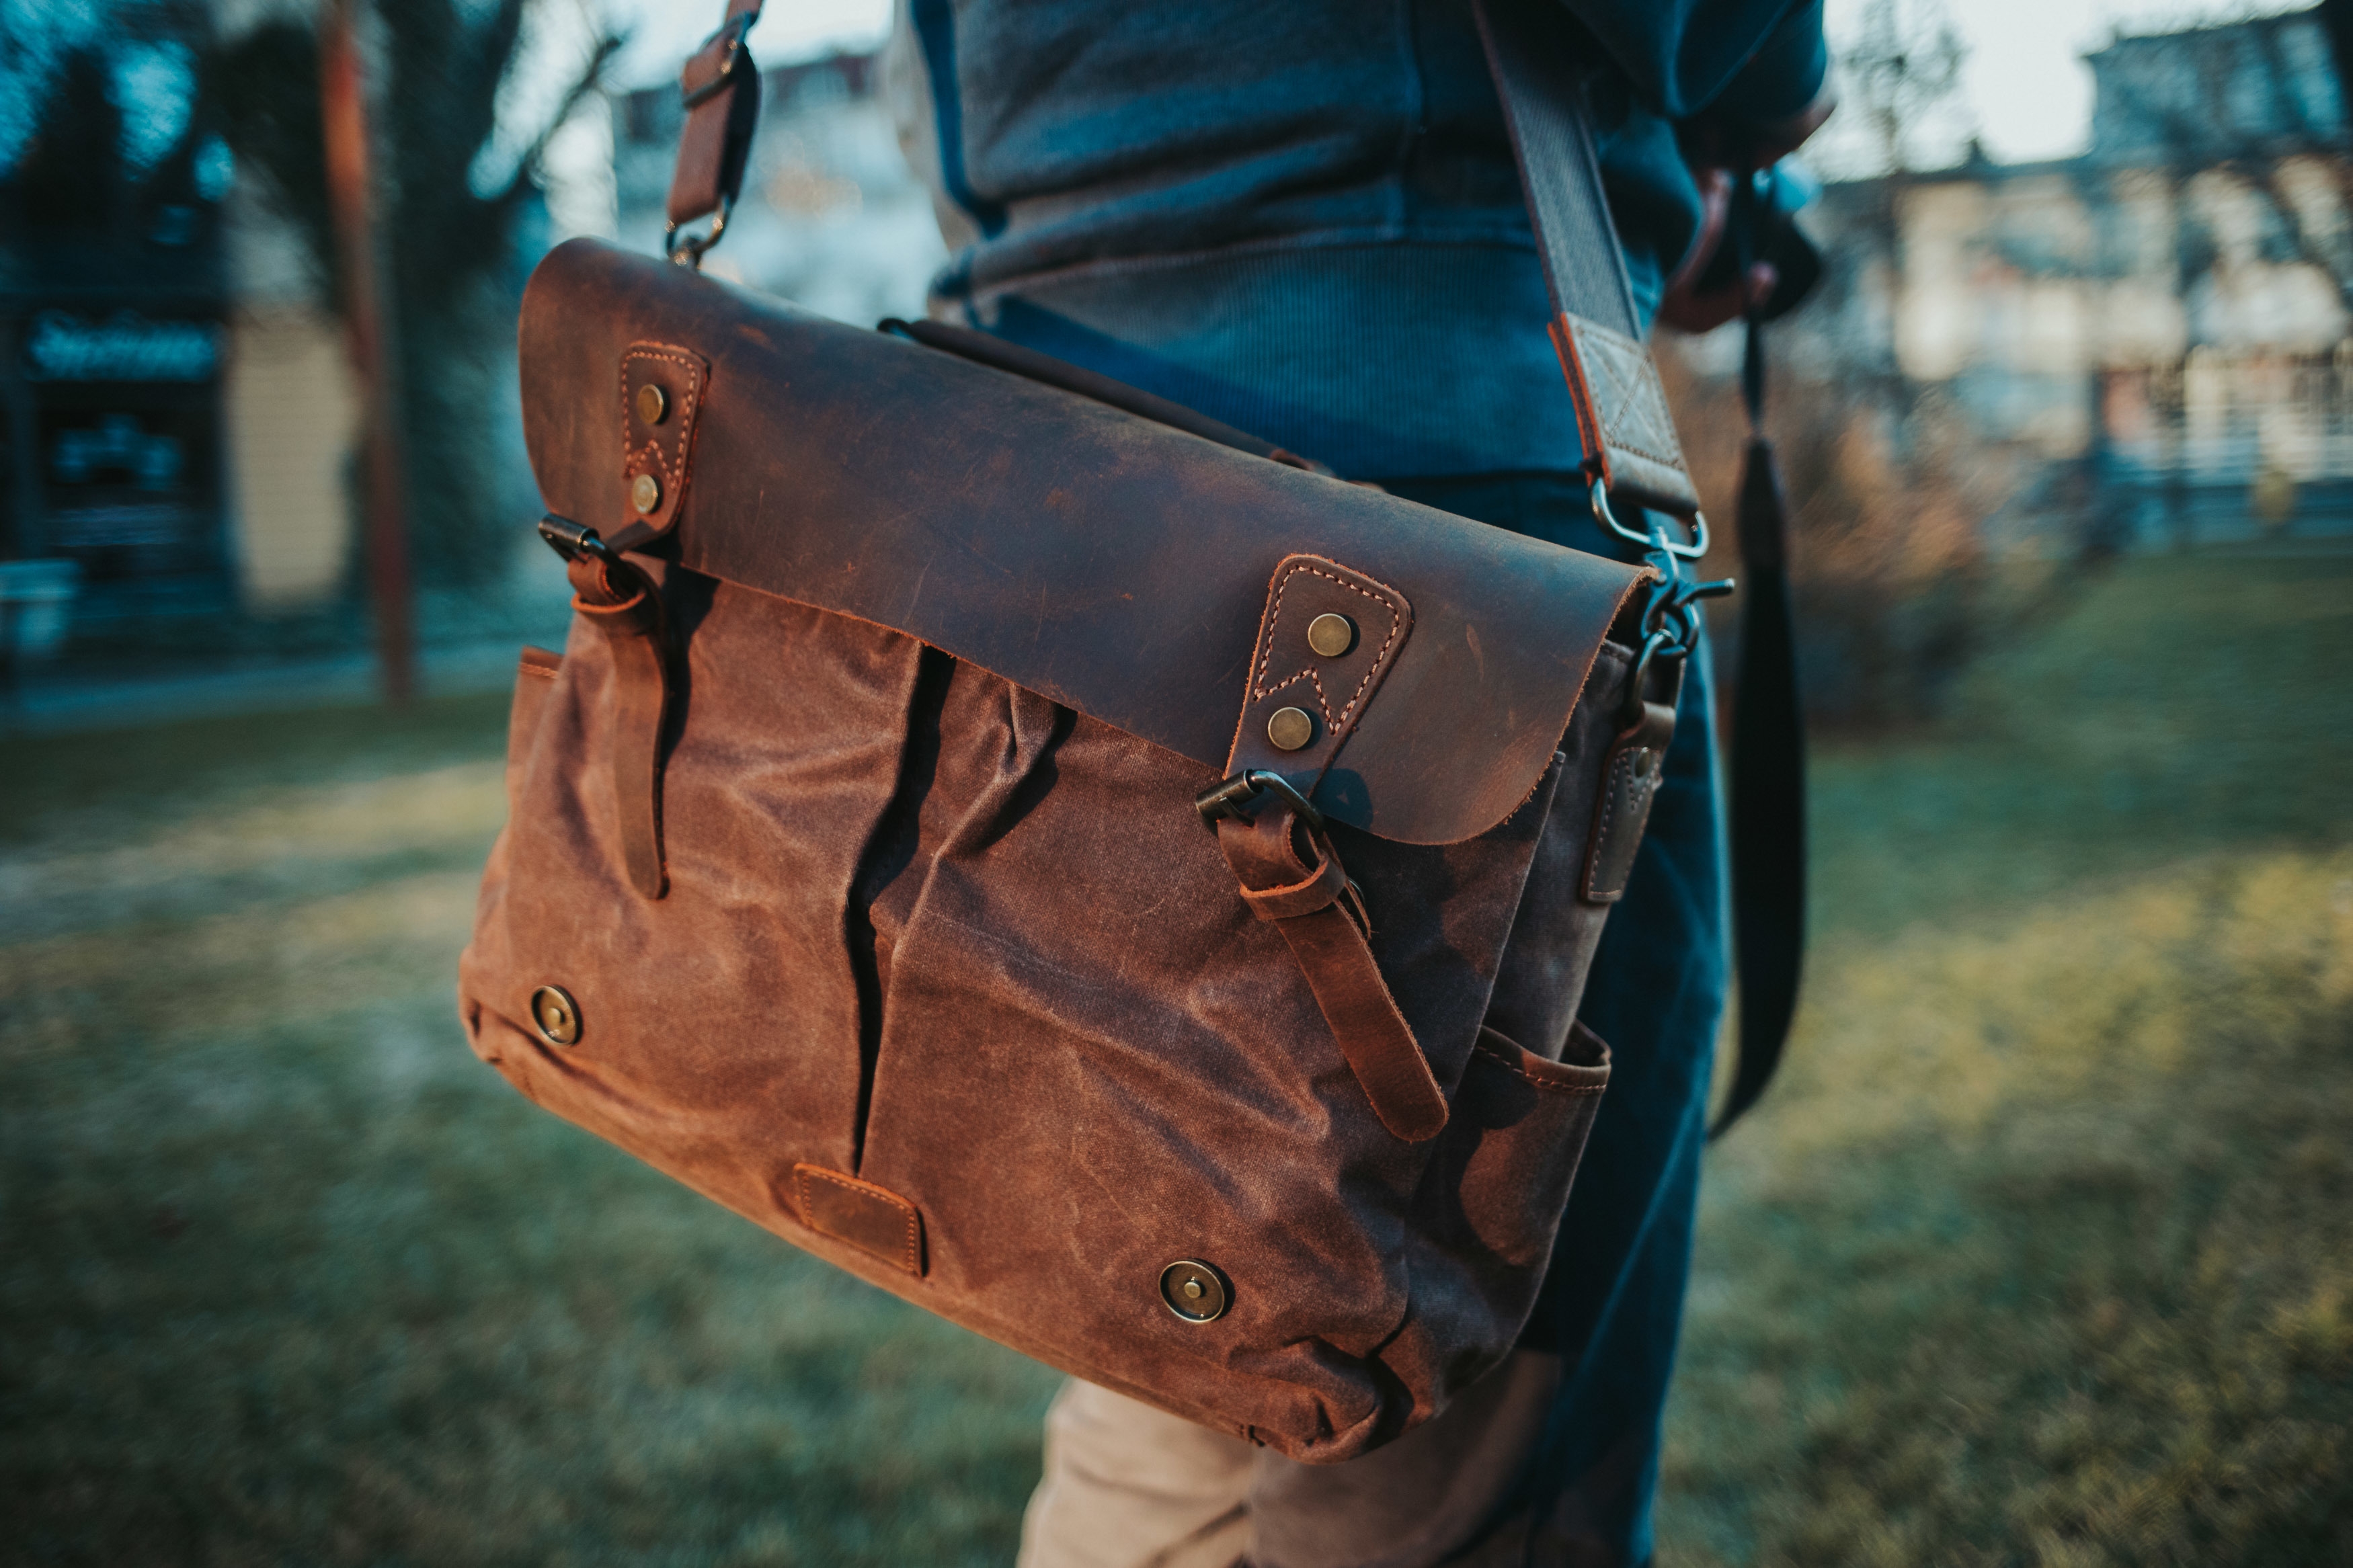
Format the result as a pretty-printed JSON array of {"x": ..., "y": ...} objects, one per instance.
[{"x": 2042, "y": 1252}]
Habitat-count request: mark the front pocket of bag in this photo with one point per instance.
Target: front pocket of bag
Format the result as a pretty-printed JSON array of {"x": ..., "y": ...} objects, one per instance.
[{"x": 716, "y": 1032}]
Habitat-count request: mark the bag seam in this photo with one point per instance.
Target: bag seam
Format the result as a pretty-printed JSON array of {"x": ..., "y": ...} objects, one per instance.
[{"x": 1509, "y": 1066}]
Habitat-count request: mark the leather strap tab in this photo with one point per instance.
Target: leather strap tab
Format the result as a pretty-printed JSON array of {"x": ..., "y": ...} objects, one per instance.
[
  {"x": 875, "y": 1220},
  {"x": 663, "y": 446},
  {"x": 1622, "y": 410},
  {"x": 723, "y": 91},
  {"x": 1304, "y": 902},
  {"x": 1288, "y": 671},
  {"x": 1622, "y": 416},
  {"x": 629, "y": 615},
  {"x": 1631, "y": 775}
]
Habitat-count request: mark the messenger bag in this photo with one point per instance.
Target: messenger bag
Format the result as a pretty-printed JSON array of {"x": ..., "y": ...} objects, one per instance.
[{"x": 1063, "y": 861}]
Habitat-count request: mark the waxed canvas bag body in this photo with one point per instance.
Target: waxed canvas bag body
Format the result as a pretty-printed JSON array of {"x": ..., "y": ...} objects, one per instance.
[{"x": 1063, "y": 862}]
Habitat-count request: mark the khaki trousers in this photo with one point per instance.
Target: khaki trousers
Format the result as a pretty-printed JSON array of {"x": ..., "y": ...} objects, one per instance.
[{"x": 1129, "y": 1487}]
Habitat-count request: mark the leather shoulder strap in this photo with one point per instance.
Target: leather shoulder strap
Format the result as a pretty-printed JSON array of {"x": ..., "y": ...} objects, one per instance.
[
  {"x": 720, "y": 89},
  {"x": 1621, "y": 409}
]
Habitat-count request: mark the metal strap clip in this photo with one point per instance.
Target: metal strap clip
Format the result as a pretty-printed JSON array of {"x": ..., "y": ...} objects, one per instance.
[
  {"x": 575, "y": 542},
  {"x": 1240, "y": 796}
]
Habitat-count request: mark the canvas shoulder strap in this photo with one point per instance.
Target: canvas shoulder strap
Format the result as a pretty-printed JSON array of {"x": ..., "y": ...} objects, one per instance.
[
  {"x": 1627, "y": 431},
  {"x": 1632, "y": 454}
]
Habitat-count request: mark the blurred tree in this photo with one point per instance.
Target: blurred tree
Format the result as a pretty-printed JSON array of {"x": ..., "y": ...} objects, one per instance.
[
  {"x": 1902, "y": 71},
  {"x": 1893, "y": 587},
  {"x": 449, "y": 246}
]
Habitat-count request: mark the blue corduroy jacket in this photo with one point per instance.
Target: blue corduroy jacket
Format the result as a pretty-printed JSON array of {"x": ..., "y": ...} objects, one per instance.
[{"x": 1301, "y": 216}]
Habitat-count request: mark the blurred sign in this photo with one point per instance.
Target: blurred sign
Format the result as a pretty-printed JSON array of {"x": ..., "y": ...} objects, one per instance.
[{"x": 126, "y": 346}]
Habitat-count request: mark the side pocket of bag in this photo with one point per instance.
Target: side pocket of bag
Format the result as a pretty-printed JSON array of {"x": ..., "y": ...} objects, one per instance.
[
  {"x": 1526, "y": 1122},
  {"x": 1492, "y": 1198}
]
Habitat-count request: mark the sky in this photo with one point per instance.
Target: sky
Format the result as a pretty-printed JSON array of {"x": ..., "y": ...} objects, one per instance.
[
  {"x": 2025, "y": 94},
  {"x": 2024, "y": 89}
]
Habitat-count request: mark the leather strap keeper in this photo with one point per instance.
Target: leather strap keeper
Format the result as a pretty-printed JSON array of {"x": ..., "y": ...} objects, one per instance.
[
  {"x": 629, "y": 615},
  {"x": 1303, "y": 901}
]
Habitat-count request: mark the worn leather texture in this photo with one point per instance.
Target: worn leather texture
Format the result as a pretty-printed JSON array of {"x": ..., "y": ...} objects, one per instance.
[
  {"x": 628, "y": 614},
  {"x": 1335, "y": 692},
  {"x": 947, "y": 983},
  {"x": 1631, "y": 775},
  {"x": 1113, "y": 564}
]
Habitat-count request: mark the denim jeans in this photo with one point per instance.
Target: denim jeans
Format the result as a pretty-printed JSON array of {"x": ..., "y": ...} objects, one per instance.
[
  {"x": 1552, "y": 1460},
  {"x": 1613, "y": 1302}
]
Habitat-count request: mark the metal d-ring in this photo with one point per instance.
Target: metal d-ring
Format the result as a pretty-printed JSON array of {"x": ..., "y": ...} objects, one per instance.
[
  {"x": 686, "y": 250},
  {"x": 1657, "y": 538}
]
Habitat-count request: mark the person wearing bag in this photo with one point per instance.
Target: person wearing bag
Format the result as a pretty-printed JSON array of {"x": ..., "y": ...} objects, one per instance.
[{"x": 1302, "y": 219}]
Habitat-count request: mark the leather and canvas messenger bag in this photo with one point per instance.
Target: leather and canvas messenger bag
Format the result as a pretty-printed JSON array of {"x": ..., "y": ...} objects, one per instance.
[{"x": 1060, "y": 859}]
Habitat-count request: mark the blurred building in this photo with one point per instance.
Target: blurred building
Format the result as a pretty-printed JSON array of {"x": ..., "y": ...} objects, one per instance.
[
  {"x": 175, "y": 410},
  {"x": 2165, "y": 318},
  {"x": 830, "y": 217}
]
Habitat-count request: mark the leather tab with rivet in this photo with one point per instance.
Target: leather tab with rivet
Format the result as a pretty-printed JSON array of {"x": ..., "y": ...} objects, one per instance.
[
  {"x": 662, "y": 390},
  {"x": 1288, "y": 872},
  {"x": 1301, "y": 703},
  {"x": 1631, "y": 776}
]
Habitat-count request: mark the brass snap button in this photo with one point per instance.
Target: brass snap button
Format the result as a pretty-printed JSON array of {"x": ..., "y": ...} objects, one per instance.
[
  {"x": 1289, "y": 728},
  {"x": 558, "y": 1016},
  {"x": 1330, "y": 635},
  {"x": 653, "y": 404},
  {"x": 645, "y": 493},
  {"x": 1194, "y": 1290}
]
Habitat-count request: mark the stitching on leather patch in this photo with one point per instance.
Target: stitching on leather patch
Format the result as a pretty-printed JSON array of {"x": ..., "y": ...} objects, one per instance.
[
  {"x": 651, "y": 454},
  {"x": 1617, "y": 788},
  {"x": 1548, "y": 1086},
  {"x": 1259, "y": 690},
  {"x": 1628, "y": 401},
  {"x": 911, "y": 1258}
]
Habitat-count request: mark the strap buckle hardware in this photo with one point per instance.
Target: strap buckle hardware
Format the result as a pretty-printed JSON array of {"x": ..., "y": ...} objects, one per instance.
[
  {"x": 1671, "y": 618},
  {"x": 687, "y": 250},
  {"x": 575, "y": 542},
  {"x": 1657, "y": 537},
  {"x": 1240, "y": 796}
]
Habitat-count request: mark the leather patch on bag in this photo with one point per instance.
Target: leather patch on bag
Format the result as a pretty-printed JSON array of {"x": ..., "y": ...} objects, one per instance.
[
  {"x": 1622, "y": 414},
  {"x": 1631, "y": 776},
  {"x": 872, "y": 1219},
  {"x": 1313, "y": 606},
  {"x": 662, "y": 389}
]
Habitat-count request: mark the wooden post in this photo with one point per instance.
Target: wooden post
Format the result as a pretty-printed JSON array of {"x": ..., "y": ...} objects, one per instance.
[{"x": 368, "y": 327}]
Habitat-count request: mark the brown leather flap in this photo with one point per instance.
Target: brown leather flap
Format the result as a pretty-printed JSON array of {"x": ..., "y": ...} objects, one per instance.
[{"x": 1117, "y": 566}]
